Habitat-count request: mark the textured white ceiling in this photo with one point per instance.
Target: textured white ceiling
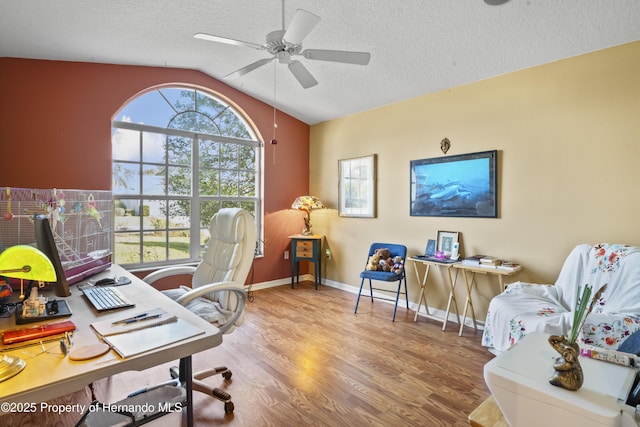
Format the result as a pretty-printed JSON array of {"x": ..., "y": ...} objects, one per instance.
[{"x": 417, "y": 46}]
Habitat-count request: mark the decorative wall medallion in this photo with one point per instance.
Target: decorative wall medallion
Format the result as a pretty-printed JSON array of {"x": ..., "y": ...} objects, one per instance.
[{"x": 445, "y": 144}]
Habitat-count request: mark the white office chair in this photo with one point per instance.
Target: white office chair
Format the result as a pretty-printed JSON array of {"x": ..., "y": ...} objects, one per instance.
[{"x": 217, "y": 287}]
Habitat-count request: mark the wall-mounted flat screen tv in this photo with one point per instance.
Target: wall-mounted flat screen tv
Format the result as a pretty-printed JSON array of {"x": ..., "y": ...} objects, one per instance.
[{"x": 463, "y": 185}]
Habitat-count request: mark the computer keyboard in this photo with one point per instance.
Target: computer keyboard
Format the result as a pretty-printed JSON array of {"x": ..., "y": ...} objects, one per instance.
[{"x": 106, "y": 298}]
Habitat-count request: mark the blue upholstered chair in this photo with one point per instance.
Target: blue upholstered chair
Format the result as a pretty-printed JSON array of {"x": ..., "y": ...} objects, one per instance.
[{"x": 384, "y": 276}]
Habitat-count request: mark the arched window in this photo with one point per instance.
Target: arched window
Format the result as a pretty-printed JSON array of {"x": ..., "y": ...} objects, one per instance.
[{"x": 179, "y": 155}]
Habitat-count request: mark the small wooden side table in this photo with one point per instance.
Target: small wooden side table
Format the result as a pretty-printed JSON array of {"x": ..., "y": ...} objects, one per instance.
[{"x": 306, "y": 248}]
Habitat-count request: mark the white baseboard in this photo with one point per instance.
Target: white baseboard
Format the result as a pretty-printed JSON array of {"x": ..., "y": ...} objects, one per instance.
[
  {"x": 434, "y": 313},
  {"x": 269, "y": 284}
]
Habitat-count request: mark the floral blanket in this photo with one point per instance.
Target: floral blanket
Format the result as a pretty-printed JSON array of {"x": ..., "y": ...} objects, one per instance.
[{"x": 525, "y": 307}]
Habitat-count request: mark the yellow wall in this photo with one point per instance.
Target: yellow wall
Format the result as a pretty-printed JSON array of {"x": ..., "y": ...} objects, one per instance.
[{"x": 568, "y": 135}]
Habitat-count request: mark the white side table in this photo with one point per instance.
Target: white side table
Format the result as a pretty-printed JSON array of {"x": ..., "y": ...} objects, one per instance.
[{"x": 519, "y": 382}]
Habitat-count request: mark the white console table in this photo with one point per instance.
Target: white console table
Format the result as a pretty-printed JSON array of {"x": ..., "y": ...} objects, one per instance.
[{"x": 519, "y": 382}]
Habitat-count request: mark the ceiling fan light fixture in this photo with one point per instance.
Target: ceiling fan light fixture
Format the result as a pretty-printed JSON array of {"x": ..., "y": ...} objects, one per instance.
[
  {"x": 284, "y": 57},
  {"x": 495, "y": 2},
  {"x": 300, "y": 26}
]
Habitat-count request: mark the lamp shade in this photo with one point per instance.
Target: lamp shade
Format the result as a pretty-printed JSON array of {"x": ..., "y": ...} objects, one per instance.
[
  {"x": 307, "y": 203},
  {"x": 26, "y": 262}
]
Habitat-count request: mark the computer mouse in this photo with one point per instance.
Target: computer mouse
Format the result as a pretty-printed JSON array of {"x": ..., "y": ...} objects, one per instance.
[{"x": 106, "y": 281}]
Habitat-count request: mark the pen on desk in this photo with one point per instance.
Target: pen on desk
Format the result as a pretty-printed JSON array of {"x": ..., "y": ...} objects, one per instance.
[
  {"x": 140, "y": 319},
  {"x": 139, "y": 316}
]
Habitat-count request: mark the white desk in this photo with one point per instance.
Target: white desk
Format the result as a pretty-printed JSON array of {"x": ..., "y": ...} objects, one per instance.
[
  {"x": 470, "y": 282},
  {"x": 423, "y": 282},
  {"x": 49, "y": 376}
]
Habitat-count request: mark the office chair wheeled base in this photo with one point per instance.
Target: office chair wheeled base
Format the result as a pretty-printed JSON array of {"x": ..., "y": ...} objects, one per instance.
[{"x": 216, "y": 392}]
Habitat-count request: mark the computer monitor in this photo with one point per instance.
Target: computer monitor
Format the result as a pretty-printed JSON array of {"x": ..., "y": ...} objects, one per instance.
[{"x": 46, "y": 243}]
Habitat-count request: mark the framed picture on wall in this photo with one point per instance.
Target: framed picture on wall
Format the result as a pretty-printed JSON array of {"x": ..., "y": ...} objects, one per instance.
[
  {"x": 464, "y": 185},
  {"x": 357, "y": 187}
]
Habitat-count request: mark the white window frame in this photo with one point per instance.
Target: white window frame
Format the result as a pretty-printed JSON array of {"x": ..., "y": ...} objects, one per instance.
[{"x": 194, "y": 198}]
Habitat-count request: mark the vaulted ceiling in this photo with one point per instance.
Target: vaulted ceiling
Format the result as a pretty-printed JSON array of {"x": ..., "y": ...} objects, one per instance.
[{"x": 417, "y": 46}]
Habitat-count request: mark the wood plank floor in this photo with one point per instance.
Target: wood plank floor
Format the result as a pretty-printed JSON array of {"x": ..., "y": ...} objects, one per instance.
[{"x": 303, "y": 358}]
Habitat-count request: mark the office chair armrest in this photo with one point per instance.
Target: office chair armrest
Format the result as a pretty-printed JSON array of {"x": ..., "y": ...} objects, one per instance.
[
  {"x": 229, "y": 286},
  {"x": 168, "y": 272}
]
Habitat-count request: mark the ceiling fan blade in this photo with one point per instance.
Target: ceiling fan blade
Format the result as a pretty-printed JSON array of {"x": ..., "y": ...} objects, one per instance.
[
  {"x": 347, "y": 57},
  {"x": 225, "y": 40},
  {"x": 249, "y": 68},
  {"x": 303, "y": 76},
  {"x": 301, "y": 25}
]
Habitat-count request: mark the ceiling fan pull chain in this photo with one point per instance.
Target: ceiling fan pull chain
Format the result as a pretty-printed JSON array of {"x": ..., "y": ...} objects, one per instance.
[
  {"x": 275, "y": 81},
  {"x": 274, "y": 141}
]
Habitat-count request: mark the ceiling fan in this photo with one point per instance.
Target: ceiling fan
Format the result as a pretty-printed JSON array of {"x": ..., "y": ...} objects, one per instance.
[{"x": 285, "y": 44}]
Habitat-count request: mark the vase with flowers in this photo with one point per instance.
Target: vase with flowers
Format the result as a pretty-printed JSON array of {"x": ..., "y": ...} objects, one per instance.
[{"x": 568, "y": 372}]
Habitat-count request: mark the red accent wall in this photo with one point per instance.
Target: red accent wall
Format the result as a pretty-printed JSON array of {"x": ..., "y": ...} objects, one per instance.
[{"x": 55, "y": 132}]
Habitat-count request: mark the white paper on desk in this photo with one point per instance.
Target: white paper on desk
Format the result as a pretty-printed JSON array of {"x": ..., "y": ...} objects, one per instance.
[{"x": 131, "y": 343}]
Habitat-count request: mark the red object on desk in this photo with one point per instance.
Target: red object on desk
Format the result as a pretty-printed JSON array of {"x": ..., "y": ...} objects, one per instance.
[{"x": 35, "y": 332}]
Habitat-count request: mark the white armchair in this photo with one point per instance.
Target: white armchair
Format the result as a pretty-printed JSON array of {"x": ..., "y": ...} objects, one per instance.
[
  {"x": 525, "y": 307},
  {"x": 217, "y": 287}
]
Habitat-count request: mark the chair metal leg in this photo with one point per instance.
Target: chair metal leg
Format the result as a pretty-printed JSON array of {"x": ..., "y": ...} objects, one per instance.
[
  {"x": 406, "y": 297},
  {"x": 370, "y": 290},
  {"x": 406, "y": 293},
  {"x": 395, "y": 308},
  {"x": 359, "y": 292}
]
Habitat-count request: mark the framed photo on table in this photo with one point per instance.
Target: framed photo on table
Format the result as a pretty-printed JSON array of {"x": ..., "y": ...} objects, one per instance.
[
  {"x": 446, "y": 241},
  {"x": 357, "y": 187}
]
